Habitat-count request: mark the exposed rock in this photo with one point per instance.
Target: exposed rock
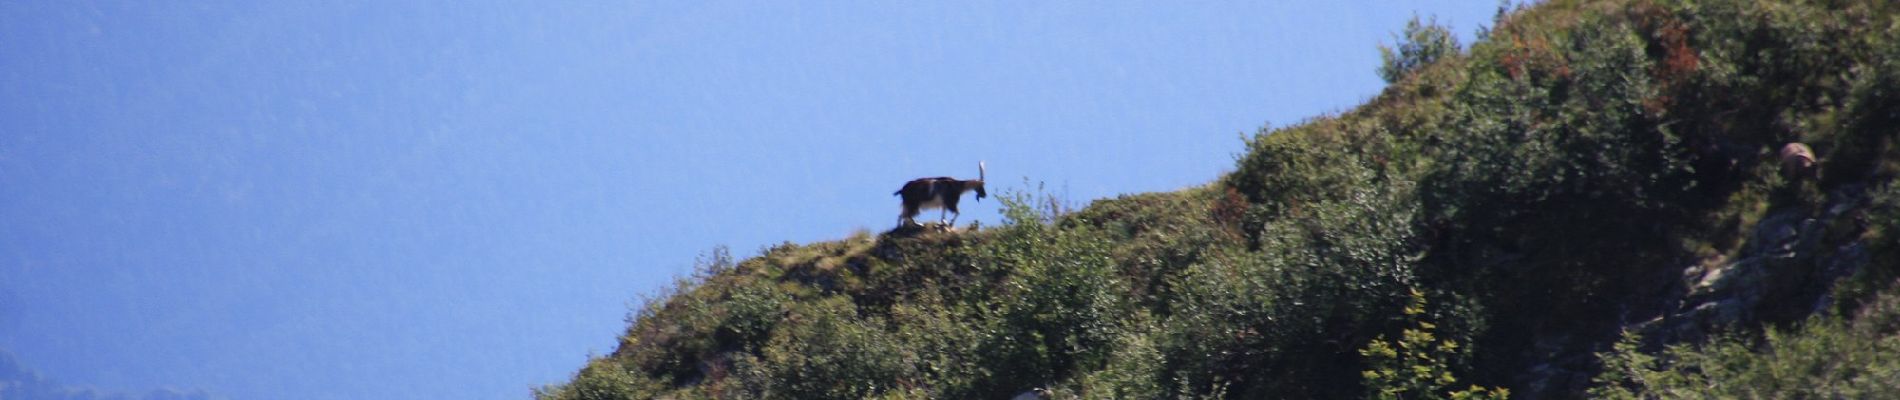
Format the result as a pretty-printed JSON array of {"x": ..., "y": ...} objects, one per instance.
[
  {"x": 1778, "y": 234},
  {"x": 1783, "y": 273},
  {"x": 1031, "y": 394}
]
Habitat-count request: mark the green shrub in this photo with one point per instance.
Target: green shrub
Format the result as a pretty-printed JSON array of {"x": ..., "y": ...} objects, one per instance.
[
  {"x": 1419, "y": 365},
  {"x": 1882, "y": 237},
  {"x": 1421, "y": 44},
  {"x": 1157, "y": 235},
  {"x": 1287, "y": 321},
  {"x": 750, "y": 310},
  {"x": 1134, "y": 370},
  {"x": 1059, "y": 309},
  {"x": 669, "y": 337},
  {"x": 947, "y": 340},
  {"x": 823, "y": 350},
  {"x": 1579, "y": 138},
  {"x": 1829, "y": 357},
  {"x": 1867, "y": 142},
  {"x": 603, "y": 379},
  {"x": 1289, "y": 168},
  {"x": 1552, "y": 142}
]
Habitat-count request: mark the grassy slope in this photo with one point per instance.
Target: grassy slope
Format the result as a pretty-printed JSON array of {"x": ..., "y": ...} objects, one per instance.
[{"x": 1525, "y": 201}]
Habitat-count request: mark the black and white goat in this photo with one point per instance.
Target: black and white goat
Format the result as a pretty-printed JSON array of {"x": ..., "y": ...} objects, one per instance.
[{"x": 939, "y": 192}]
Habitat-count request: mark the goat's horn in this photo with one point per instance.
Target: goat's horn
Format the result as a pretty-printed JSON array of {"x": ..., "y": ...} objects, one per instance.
[{"x": 979, "y": 171}]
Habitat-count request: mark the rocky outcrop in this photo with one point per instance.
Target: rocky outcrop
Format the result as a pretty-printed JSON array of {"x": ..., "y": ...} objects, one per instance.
[{"x": 1784, "y": 273}]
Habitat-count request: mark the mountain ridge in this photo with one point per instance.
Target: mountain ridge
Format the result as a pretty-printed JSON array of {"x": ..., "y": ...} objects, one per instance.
[{"x": 1583, "y": 203}]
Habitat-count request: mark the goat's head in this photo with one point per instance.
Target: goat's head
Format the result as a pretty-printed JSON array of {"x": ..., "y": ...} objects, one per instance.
[{"x": 978, "y": 183}]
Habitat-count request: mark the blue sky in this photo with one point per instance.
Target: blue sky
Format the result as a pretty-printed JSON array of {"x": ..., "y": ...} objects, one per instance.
[{"x": 397, "y": 200}]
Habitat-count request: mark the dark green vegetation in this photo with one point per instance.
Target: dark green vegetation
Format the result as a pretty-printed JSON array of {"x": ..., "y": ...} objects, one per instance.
[{"x": 1583, "y": 203}]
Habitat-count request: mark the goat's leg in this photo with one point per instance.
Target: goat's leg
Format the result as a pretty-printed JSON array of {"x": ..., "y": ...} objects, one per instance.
[
  {"x": 953, "y": 218},
  {"x": 907, "y": 215}
]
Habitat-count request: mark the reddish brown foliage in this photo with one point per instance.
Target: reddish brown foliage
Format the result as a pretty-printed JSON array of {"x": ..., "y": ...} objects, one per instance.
[{"x": 1668, "y": 38}]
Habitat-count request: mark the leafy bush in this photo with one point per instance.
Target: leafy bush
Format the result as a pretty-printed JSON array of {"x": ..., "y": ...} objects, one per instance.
[
  {"x": 1422, "y": 44},
  {"x": 825, "y": 351},
  {"x": 1135, "y": 369},
  {"x": 603, "y": 379},
  {"x": 1882, "y": 271},
  {"x": 1064, "y": 307},
  {"x": 1829, "y": 357},
  {"x": 1418, "y": 365},
  {"x": 1867, "y": 144},
  {"x": 947, "y": 341},
  {"x": 1287, "y": 321},
  {"x": 1156, "y": 235}
]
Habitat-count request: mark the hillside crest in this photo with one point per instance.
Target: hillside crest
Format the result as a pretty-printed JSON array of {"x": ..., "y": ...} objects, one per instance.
[{"x": 1586, "y": 202}]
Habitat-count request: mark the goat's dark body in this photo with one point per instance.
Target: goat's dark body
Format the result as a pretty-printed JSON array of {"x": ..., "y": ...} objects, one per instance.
[
  {"x": 1797, "y": 162},
  {"x": 939, "y": 192}
]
